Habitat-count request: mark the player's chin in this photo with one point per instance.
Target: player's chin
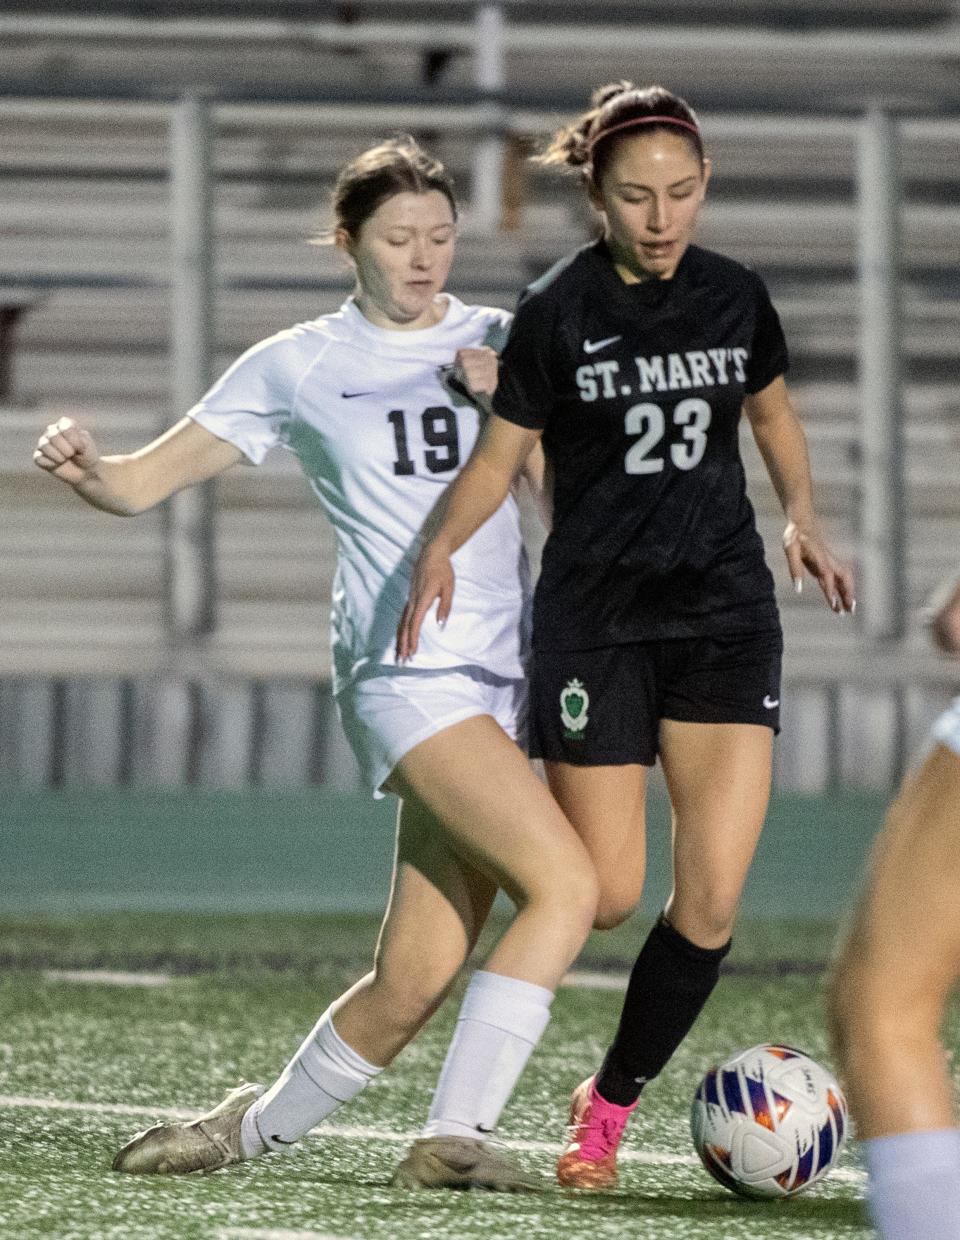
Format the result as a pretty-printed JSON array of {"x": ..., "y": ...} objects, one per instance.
[
  {"x": 412, "y": 304},
  {"x": 660, "y": 260},
  {"x": 420, "y": 292}
]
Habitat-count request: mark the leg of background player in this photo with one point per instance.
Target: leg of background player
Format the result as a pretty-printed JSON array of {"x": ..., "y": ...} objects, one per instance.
[{"x": 888, "y": 995}]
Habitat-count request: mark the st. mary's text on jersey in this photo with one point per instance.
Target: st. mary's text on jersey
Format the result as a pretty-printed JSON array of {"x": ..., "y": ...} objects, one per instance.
[{"x": 638, "y": 389}]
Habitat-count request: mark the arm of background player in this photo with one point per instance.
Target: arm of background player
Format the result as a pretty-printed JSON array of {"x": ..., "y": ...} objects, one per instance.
[
  {"x": 125, "y": 485},
  {"x": 472, "y": 498},
  {"x": 783, "y": 446},
  {"x": 944, "y": 616}
]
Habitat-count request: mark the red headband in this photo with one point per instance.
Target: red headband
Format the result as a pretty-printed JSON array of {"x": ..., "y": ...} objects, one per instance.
[{"x": 641, "y": 120}]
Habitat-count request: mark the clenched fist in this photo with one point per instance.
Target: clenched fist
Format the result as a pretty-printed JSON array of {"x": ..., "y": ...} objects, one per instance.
[
  {"x": 67, "y": 451},
  {"x": 477, "y": 369}
]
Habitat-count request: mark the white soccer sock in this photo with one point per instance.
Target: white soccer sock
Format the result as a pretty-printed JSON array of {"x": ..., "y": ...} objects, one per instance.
[
  {"x": 502, "y": 1019},
  {"x": 915, "y": 1184},
  {"x": 323, "y": 1074}
]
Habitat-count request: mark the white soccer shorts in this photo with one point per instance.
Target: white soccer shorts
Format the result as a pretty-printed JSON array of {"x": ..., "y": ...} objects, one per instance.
[{"x": 385, "y": 715}]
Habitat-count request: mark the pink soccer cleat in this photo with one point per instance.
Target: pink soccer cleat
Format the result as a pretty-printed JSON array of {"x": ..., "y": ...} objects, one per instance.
[{"x": 596, "y": 1126}]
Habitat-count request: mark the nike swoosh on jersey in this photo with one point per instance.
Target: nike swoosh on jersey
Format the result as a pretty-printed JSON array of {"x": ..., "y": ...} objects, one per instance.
[
  {"x": 350, "y": 395},
  {"x": 591, "y": 346},
  {"x": 770, "y": 702}
]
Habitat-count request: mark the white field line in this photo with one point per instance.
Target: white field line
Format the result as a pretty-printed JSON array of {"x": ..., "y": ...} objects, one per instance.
[
  {"x": 347, "y": 1132},
  {"x": 273, "y": 1233},
  {"x": 106, "y": 977},
  {"x": 95, "y": 1108},
  {"x": 583, "y": 979}
]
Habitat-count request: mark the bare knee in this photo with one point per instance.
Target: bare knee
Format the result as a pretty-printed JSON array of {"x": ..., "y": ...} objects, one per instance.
[
  {"x": 569, "y": 894},
  {"x": 707, "y": 919},
  {"x": 613, "y": 909},
  {"x": 620, "y": 890},
  {"x": 582, "y": 898}
]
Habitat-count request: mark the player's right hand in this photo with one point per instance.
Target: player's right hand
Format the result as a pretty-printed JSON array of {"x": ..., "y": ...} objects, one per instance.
[
  {"x": 477, "y": 369},
  {"x": 432, "y": 579},
  {"x": 67, "y": 451}
]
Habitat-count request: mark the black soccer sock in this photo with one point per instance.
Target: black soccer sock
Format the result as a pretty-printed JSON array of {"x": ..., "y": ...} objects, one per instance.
[{"x": 670, "y": 982}]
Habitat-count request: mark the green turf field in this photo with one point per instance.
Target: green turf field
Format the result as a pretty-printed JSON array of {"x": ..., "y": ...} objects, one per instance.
[
  {"x": 244, "y": 989},
  {"x": 312, "y": 849}
]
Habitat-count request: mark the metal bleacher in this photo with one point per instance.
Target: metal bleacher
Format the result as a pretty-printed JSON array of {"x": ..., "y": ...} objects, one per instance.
[{"x": 83, "y": 250}]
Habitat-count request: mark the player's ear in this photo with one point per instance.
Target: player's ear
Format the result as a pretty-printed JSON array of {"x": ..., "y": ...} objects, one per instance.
[
  {"x": 594, "y": 194},
  {"x": 342, "y": 240},
  {"x": 705, "y": 177}
]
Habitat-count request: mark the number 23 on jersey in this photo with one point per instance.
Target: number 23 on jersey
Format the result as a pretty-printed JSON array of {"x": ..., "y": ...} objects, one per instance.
[{"x": 649, "y": 422}]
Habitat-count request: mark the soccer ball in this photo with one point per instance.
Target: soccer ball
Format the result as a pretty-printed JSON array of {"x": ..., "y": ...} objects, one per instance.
[{"x": 769, "y": 1122}]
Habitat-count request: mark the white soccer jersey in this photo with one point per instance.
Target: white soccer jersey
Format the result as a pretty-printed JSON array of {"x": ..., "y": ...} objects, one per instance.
[{"x": 379, "y": 436}]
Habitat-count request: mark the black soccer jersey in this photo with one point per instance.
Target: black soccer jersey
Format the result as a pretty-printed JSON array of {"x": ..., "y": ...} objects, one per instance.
[{"x": 638, "y": 390}]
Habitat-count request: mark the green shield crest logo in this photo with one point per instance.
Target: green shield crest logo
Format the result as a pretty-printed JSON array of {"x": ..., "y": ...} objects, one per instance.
[{"x": 574, "y": 701}]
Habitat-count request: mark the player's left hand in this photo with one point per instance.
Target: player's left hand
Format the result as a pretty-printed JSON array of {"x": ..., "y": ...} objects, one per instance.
[{"x": 806, "y": 549}]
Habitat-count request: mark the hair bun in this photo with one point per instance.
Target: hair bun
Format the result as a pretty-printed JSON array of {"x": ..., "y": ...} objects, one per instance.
[{"x": 603, "y": 94}]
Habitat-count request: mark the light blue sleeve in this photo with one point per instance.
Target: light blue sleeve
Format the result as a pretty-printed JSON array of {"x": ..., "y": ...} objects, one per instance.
[{"x": 497, "y": 331}]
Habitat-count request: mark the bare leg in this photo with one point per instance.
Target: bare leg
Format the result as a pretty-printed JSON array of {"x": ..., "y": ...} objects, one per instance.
[
  {"x": 718, "y": 775},
  {"x": 476, "y": 782},
  {"x": 719, "y": 778},
  {"x": 887, "y": 1000},
  {"x": 438, "y": 905},
  {"x": 901, "y": 959},
  {"x": 461, "y": 833},
  {"x": 606, "y": 805}
]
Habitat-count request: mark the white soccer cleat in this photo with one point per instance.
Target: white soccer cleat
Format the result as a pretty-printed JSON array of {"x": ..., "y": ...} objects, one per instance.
[
  {"x": 206, "y": 1144},
  {"x": 462, "y": 1162}
]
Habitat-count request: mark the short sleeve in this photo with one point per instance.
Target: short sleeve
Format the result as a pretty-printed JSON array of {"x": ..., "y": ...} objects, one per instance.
[
  {"x": 525, "y": 393},
  {"x": 498, "y": 329},
  {"x": 250, "y": 404},
  {"x": 768, "y": 352}
]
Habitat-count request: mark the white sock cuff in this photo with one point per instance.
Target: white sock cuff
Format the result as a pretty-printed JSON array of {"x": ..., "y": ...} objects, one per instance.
[
  {"x": 343, "y": 1058},
  {"x": 507, "y": 1003},
  {"x": 904, "y": 1155}
]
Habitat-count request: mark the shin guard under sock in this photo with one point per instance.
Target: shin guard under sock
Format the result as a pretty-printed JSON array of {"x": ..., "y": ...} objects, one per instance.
[{"x": 670, "y": 982}]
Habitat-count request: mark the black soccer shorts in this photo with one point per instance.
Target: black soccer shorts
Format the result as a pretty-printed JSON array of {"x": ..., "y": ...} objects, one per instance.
[{"x": 603, "y": 707}]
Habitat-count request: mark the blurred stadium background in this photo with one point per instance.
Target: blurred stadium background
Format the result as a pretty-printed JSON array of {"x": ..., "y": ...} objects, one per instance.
[{"x": 162, "y": 166}]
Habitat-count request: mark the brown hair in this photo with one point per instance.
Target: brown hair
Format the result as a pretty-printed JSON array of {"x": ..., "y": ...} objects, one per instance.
[
  {"x": 619, "y": 108},
  {"x": 397, "y": 166}
]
